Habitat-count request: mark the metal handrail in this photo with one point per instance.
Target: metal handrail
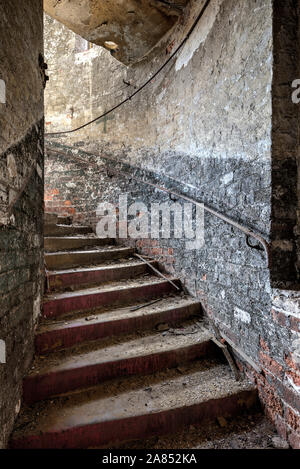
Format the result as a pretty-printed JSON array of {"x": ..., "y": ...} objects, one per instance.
[{"x": 249, "y": 233}]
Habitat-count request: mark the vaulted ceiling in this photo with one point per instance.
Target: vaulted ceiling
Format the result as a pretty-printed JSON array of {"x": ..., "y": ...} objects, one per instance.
[{"x": 130, "y": 28}]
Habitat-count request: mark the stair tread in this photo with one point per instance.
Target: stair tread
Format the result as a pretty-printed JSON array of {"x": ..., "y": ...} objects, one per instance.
[
  {"x": 69, "y": 258},
  {"x": 115, "y": 314},
  {"x": 111, "y": 264},
  {"x": 109, "y": 248},
  {"x": 129, "y": 397},
  {"x": 58, "y": 230},
  {"x": 90, "y": 236},
  {"x": 69, "y": 226},
  {"x": 95, "y": 353},
  {"x": 119, "y": 285},
  {"x": 116, "y": 349}
]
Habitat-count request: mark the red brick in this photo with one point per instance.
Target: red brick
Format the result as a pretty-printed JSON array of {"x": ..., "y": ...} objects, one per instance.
[
  {"x": 280, "y": 318},
  {"x": 270, "y": 364},
  {"x": 272, "y": 403},
  {"x": 154, "y": 242},
  {"x": 170, "y": 47},
  {"x": 156, "y": 251},
  {"x": 294, "y": 440},
  {"x": 290, "y": 396},
  {"x": 264, "y": 345},
  {"x": 293, "y": 419}
]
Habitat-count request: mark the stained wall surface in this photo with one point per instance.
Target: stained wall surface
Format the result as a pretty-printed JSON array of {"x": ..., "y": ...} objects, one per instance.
[
  {"x": 21, "y": 216},
  {"x": 216, "y": 124}
]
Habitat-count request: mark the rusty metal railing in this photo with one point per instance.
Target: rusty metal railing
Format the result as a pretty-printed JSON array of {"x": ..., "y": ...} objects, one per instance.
[{"x": 263, "y": 244}]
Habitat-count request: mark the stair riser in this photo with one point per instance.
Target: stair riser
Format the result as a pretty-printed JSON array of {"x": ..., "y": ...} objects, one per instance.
[
  {"x": 55, "y": 308},
  {"x": 64, "y": 220},
  {"x": 62, "y": 230},
  {"x": 50, "y": 219},
  {"x": 69, "y": 336},
  {"x": 141, "y": 427},
  {"x": 76, "y": 259},
  {"x": 65, "y": 244},
  {"x": 43, "y": 386},
  {"x": 95, "y": 277}
]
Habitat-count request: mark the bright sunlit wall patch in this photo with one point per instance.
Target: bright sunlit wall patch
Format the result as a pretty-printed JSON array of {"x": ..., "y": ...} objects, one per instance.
[{"x": 2, "y": 92}]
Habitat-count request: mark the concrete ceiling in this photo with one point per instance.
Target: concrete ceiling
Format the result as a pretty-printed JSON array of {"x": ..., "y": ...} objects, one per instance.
[{"x": 132, "y": 27}]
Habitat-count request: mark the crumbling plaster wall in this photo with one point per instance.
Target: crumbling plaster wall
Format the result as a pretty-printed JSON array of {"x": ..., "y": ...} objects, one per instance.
[
  {"x": 133, "y": 26},
  {"x": 204, "y": 127},
  {"x": 77, "y": 86},
  {"x": 21, "y": 230}
]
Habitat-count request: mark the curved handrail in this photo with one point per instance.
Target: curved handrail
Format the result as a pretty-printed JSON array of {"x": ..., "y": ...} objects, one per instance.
[{"x": 248, "y": 233}]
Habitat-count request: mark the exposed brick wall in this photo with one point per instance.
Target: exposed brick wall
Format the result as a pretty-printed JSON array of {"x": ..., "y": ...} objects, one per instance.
[
  {"x": 21, "y": 163},
  {"x": 206, "y": 128},
  {"x": 72, "y": 188}
]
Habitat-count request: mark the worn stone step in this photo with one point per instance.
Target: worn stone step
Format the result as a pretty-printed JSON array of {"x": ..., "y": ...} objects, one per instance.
[
  {"x": 122, "y": 292},
  {"x": 65, "y": 260},
  {"x": 55, "y": 244},
  {"x": 114, "y": 323},
  {"x": 67, "y": 220},
  {"x": 135, "y": 408},
  {"x": 93, "y": 363},
  {"x": 50, "y": 218},
  {"x": 112, "y": 272},
  {"x": 65, "y": 230}
]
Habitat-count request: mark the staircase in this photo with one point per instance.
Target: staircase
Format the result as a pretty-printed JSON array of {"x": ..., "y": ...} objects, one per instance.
[{"x": 121, "y": 354}]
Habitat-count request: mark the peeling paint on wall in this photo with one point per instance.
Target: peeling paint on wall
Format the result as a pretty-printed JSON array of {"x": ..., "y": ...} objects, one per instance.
[{"x": 200, "y": 33}]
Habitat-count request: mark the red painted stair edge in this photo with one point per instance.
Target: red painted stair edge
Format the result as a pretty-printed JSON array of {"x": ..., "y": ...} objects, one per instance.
[
  {"x": 41, "y": 386},
  {"x": 70, "y": 335},
  {"x": 82, "y": 302},
  {"x": 141, "y": 426}
]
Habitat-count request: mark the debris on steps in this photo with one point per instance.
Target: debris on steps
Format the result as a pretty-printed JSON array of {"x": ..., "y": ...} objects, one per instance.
[
  {"x": 244, "y": 431},
  {"x": 135, "y": 408},
  {"x": 122, "y": 353}
]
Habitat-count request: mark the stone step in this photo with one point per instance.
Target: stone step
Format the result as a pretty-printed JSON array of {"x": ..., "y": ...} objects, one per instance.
[
  {"x": 67, "y": 220},
  {"x": 80, "y": 277},
  {"x": 135, "y": 408},
  {"x": 55, "y": 244},
  {"x": 126, "y": 292},
  {"x": 54, "y": 219},
  {"x": 57, "y": 335},
  {"x": 65, "y": 260},
  {"x": 92, "y": 363},
  {"x": 50, "y": 218},
  {"x": 66, "y": 230}
]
